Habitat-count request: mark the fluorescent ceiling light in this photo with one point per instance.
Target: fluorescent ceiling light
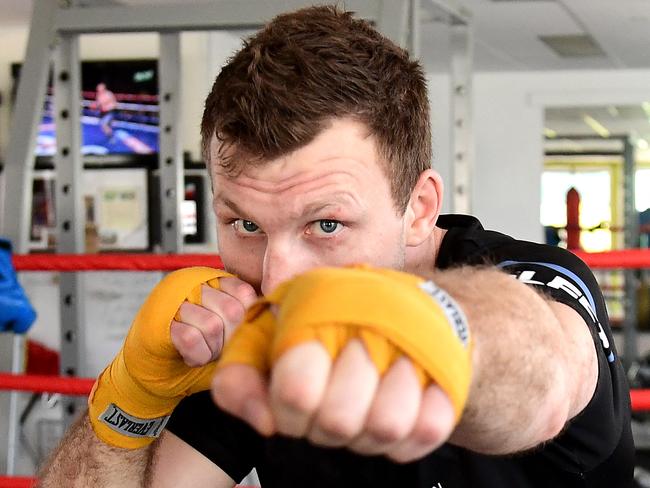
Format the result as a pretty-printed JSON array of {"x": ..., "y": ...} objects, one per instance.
[{"x": 596, "y": 126}]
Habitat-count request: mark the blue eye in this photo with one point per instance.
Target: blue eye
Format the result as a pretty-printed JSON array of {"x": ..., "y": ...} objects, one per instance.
[
  {"x": 328, "y": 226},
  {"x": 249, "y": 226},
  {"x": 325, "y": 228},
  {"x": 246, "y": 227}
]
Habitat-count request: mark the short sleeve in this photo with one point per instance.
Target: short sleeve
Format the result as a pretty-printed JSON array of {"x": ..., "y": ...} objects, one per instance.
[{"x": 602, "y": 429}]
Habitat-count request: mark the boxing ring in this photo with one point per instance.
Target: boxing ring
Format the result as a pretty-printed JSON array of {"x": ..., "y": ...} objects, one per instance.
[
  {"x": 134, "y": 124},
  {"x": 73, "y": 386}
]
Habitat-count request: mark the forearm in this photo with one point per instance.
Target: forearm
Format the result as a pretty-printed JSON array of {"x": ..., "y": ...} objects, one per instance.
[
  {"x": 82, "y": 460},
  {"x": 519, "y": 394}
]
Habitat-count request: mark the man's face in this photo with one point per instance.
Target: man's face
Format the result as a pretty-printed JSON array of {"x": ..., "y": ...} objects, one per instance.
[{"x": 327, "y": 204}]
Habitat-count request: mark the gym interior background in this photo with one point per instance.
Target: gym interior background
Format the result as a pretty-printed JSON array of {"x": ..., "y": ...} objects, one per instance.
[{"x": 557, "y": 97}]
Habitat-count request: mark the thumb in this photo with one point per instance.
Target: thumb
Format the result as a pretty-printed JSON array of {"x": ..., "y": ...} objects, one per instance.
[
  {"x": 240, "y": 385},
  {"x": 243, "y": 392},
  {"x": 250, "y": 343}
]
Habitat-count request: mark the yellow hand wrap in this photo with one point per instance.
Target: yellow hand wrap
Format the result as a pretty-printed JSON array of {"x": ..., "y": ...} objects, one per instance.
[
  {"x": 133, "y": 397},
  {"x": 391, "y": 312}
]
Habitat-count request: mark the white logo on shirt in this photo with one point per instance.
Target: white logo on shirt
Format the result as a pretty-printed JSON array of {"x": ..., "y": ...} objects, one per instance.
[{"x": 561, "y": 283}]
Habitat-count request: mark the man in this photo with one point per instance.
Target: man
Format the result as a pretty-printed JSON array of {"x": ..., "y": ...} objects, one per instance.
[
  {"x": 482, "y": 362},
  {"x": 106, "y": 102}
]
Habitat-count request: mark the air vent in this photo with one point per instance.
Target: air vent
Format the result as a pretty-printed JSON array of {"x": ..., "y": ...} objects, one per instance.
[{"x": 573, "y": 46}]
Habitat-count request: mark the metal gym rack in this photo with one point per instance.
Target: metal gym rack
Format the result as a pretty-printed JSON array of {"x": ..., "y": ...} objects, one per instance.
[{"x": 54, "y": 34}]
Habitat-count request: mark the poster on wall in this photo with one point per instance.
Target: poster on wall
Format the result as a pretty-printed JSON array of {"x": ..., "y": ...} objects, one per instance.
[
  {"x": 120, "y": 215},
  {"x": 115, "y": 209}
]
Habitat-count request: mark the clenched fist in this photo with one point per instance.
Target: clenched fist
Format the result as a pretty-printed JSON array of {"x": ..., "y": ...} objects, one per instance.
[
  {"x": 200, "y": 330},
  {"x": 374, "y": 360}
]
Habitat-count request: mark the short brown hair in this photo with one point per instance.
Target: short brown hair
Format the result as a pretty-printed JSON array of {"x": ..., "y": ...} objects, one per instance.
[{"x": 305, "y": 68}]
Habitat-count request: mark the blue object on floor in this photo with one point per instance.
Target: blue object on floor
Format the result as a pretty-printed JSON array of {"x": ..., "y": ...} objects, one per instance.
[{"x": 16, "y": 313}]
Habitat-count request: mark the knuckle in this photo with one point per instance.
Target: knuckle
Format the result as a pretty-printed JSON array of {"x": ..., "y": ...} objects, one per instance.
[
  {"x": 429, "y": 431},
  {"x": 387, "y": 430},
  {"x": 188, "y": 338},
  {"x": 244, "y": 291},
  {"x": 297, "y": 396},
  {"x": 232, "y": 310},
  {"x": 187, "y": 343},
  {"x": 239, "y": 290},
  {"x": 212, "y": 326},
  {"x": 338, "y": 425},
  {"x": 224, "y": 391},
  {"x": 185, "y": 309}
]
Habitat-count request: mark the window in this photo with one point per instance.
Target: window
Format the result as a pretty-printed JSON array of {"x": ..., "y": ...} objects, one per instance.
[{"x": 594, "y": 188}]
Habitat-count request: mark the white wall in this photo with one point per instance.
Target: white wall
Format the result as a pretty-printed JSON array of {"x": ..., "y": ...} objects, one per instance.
[
  {"x": 508, "y": 155},
  {"x": 508, "y": 123}
]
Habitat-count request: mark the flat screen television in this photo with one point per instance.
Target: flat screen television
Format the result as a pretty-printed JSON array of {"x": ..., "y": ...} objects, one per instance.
[{"x": 119, "y": 109}]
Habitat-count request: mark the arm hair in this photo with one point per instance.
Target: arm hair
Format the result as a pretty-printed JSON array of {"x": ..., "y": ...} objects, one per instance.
[{"x": 82, "y": 460}]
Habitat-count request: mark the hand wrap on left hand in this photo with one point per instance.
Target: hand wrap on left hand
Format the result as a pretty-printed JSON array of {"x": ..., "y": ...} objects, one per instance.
[
  {"x": 134, "y": 396},
  {"x": 391, "y": 312}
]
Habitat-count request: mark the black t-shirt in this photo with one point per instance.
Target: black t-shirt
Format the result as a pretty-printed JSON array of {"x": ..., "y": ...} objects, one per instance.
[{"x": 595, "y": 450}]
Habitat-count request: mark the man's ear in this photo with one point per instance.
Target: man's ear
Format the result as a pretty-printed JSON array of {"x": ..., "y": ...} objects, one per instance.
[{"x": 423, "y": 207}]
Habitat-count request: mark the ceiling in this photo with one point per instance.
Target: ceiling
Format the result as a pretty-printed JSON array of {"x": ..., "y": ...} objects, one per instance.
[
  {"x": 510, "y": 35},
  {"x": 517, "y": 35},
  {"x": 507, "y": 32}
]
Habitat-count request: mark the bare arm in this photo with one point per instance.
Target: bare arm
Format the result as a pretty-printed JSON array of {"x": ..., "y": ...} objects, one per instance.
[
  {"x": 82, "y": 460},
  {"x": 176, "y": 464},
  {"x": 534, "y": 362}
]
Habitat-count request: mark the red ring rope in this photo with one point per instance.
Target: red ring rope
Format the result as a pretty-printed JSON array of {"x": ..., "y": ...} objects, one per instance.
[
  {"x": 46, "y": 384},
  {"x": 21, "y": 482},
  {"x": 113, "y": 262},
  {"x": 138, "y": 97},
  {"x": 16, "y": 482},
  {"x": 626, "y": 258},
  {"x": 629, "y": 258},
  {"x": 640, "y": 400}
]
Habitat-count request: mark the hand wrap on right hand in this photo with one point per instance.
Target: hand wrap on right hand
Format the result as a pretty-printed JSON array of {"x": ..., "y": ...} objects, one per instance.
[
  {"x": 133, "y": 397},
  {"x": 391, "y": 312}
]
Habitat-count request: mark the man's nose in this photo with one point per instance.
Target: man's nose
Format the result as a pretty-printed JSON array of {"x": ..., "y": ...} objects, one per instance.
[{"x": 281, "y": 263}]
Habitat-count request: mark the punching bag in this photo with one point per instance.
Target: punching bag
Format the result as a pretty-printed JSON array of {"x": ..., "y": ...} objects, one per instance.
[{"x": 573, "y": 219}]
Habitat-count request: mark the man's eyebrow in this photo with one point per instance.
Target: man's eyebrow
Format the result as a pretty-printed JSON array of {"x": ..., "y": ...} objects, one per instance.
[
  {"x": 337, "y": 201},
  {"x": 309, "y": 209},
  {"x": 317, "y": 207},
  {"x": 230, "y": 204}
]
